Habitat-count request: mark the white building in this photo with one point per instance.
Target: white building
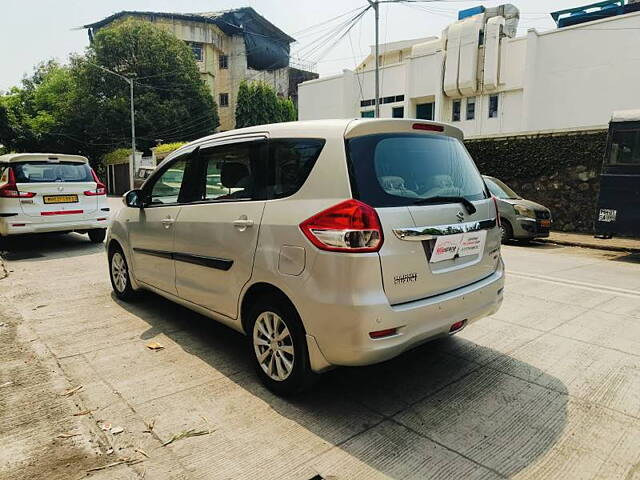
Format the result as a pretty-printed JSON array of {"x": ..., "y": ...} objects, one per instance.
[{"x": 483, "y": 78}]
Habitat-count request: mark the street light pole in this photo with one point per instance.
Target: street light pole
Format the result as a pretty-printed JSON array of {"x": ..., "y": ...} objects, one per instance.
[
  {"x": 133, "y": 120},
  {"x": 376, "y": 10},
  {"x": 133, "y": 137}
]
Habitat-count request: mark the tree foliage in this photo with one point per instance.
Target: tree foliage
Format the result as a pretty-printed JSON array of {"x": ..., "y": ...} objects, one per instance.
[
  {"x": 258, "y": 104},
  {"x": 168, "y": 147},
  {"x": 80, "y": 108}
]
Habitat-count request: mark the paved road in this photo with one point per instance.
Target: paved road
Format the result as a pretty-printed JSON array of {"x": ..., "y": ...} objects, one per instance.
[{"x": 547, "y": 388}]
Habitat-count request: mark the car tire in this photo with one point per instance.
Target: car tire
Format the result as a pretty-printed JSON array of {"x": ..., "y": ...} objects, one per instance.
[
  {"x": 278, "y": 346},
  {"x": 97, "y": 235},
  {"x": 119, "y": 275},
  {"x": 506, "y": 231}
]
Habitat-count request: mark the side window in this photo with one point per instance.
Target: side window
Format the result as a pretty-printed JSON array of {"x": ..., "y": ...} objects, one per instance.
[
  {"x": 471, "y": 108},
  {"x": 455, "y": 112},
  {"x": 290, "y": 163},
  {"x": 166, "y": 188},
  {"x": 493, "y": 106},
  {"x": 233, "y": 171},
  {"x": 625, "y": 148}
]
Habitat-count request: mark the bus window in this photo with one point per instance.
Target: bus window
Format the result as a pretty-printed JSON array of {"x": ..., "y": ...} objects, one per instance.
[{"x": 625, "y": 148}]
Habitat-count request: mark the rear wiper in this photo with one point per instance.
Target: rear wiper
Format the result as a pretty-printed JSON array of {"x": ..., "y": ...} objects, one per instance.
[{"x": 470, "y": 207}]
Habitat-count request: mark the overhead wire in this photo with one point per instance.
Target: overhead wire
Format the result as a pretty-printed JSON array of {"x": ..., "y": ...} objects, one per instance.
[
  {"x": 357, "y": 73},
  {"x": 321, "y": 40},
  {"x": 322, "y": 50},
  {"x": 318, "y": 42}
]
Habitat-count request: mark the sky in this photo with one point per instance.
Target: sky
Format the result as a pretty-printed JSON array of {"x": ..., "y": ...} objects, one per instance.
[{"x": 33, "y": 31}]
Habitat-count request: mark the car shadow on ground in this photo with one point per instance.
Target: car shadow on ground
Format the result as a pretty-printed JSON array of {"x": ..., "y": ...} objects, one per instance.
[
  {"x": 497, "y": 418},
  {"x": 45, "y": 246},
  {"x": 533, "y": 244},
  {"x": 628, "y": 258}
]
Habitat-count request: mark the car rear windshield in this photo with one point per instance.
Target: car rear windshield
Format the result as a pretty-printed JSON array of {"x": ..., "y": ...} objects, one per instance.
[
  {"x": 389, "y": 170},
  {"x": 41, "y": 172}
]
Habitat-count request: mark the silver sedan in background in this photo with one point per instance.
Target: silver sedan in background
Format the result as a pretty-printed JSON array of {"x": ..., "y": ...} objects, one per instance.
[{"x": 520, "y": 219}]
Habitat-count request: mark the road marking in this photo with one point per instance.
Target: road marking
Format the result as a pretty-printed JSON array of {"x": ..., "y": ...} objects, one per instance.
[{"x": 594, "y": 287}]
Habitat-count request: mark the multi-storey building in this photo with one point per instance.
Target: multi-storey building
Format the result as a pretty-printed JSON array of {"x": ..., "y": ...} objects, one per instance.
[
  {"x": 229, "y": 46},
  {"x": 482, "y": 77}
]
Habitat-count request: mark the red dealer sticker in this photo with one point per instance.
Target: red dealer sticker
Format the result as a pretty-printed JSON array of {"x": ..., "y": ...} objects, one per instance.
[{"x": 458, "y": 245}]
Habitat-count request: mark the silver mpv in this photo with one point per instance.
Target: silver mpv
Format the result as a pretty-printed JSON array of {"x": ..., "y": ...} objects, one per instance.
[{"x": 337, "y": 242}]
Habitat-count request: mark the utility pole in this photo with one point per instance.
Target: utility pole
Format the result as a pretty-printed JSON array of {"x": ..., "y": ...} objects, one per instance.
[
  {"x": 376, "y": 10},
  {"x": 133, "y": 137},
  {"x": 133, "y": 120}
]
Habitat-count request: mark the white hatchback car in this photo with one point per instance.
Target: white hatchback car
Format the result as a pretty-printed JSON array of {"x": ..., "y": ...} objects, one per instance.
[
  {"x": 338, "y": 242},
  {"x": 51, "y": 192}
]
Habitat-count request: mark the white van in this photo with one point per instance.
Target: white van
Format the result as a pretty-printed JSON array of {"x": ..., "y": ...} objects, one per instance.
[
  {"x": 43, "y": 192},
  {"x": 337, "y": 242}
]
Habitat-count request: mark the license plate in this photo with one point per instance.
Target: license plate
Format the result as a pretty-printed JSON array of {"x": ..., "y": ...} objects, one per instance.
[
  {"x": 545, "y": 223},
  {"x": 607, "y": 215},
  {"x": 458, "y": 245},
  {"x": 60, "y": 198}
]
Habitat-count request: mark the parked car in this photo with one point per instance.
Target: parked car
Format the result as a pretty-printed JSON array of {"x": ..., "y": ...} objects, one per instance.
[
  {"x": 141, "y": 175},
  {"x": 336, "y": 242},
  {"x": 519, "y": 218},
  {"x": 41, "y": 192}
]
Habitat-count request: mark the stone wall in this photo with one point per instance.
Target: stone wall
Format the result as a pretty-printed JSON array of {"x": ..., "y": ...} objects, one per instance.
[{"x": 560, "y": 171}]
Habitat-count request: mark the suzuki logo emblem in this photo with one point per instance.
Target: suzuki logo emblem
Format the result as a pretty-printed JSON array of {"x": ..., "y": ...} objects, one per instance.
[
  {"x": 460, "y": 216},
  {"x": 61, "y": 189}
]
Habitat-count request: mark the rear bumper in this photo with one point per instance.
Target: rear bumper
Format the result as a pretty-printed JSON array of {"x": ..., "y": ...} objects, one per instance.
[
  {"x": 20, "y": 224},
  {"x": 344, "y": 337}
]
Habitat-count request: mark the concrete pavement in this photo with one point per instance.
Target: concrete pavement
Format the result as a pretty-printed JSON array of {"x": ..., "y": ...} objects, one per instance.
[
  {"x": 549, "y": 387},
  {"x": 616, "y": 244}
]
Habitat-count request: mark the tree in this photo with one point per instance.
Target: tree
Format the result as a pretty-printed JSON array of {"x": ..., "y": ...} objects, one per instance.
[
  {"x": 243, "y": 109},
  {"x": 80, "y": 108},
  {"x": 5, "y": 128},
  {"x": 258, "y": 104}
]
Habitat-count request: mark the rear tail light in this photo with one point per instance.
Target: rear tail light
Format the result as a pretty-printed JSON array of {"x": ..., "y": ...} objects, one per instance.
[
  {"x": 10, "y": 189},
  {"x": 495, "y": 204},
  {"x": 350, "y": 226},
  {"x": 100, "y": 187}
]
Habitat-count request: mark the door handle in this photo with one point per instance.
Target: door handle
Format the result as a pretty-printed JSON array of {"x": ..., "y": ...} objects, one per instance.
[{"x": 243, "y": 223}]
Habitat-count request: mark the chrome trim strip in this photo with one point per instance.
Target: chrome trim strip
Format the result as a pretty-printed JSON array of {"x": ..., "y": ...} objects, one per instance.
[{"x": 419, "y": 234}]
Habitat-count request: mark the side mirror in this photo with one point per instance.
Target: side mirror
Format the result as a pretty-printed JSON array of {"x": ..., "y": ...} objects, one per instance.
[{"x": 133, "y": 199}]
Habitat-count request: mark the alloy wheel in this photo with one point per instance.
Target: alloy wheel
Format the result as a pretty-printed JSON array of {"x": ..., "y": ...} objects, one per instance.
[
  {"x": 273, "y": 345},
  {"x": 119, "y": 272}
]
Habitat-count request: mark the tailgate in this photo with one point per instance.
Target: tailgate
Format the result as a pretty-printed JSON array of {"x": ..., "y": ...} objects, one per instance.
[
  {"x": 438, "y": 219},
  {"x": 53, "y": 199},
  {"x": 412, "y": 269},
  {"x": 58, "y": 187}
]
